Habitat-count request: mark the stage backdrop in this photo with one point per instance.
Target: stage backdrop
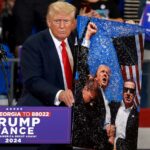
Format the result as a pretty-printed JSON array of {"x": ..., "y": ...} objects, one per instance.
[{"x": 119, "y": 46}]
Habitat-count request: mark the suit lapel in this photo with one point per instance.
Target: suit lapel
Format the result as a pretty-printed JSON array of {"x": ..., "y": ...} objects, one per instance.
[
  {"x": 132, "y": 120},
  {"x": 51, "y": 52},
  {"x": 71, "y": 41},
  {"x": 131, "y": 117}
]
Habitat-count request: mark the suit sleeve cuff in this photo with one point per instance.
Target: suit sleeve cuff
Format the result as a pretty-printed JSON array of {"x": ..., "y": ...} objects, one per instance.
[
  {"x": 105, "y": 125},
  {"x": 56, "y": 101}
]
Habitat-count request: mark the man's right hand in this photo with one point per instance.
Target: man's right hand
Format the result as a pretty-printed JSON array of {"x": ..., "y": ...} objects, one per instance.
[
  {"x": 67, "y": 97},
  {"x": 91, "y": 30}
]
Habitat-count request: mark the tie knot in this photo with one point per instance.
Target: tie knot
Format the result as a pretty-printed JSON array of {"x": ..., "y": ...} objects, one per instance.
[{"x": 63, "y": 44}]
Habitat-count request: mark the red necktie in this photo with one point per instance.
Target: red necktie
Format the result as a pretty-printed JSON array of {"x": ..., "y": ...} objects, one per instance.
[{"x": 67, "y": 67}]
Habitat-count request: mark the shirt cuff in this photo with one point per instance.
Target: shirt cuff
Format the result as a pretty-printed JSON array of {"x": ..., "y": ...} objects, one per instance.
[
  {"x": 105, "y": 125},
  {"x": 56, "y": 101},
  {"x": 86, "y": 43}
]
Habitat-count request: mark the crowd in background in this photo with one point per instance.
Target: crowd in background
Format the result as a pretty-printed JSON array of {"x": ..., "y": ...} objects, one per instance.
[{"x": 20, "y": 19}]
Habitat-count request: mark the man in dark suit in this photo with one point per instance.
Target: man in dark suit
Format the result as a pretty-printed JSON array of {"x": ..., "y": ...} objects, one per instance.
[
  {"x": 45, "y": 77},
  {"x": 127, "y": 119},
  {"x": 102, "y": 76},
  {"x": 87, "y": 113},
  {"x": 46, "y": 58},
  {"x": 44, "y": 74}
]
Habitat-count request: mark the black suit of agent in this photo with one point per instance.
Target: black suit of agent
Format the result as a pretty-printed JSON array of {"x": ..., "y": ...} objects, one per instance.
[
  {"x": 127, "y": 119},
  {"x": 130, "y": 142}
]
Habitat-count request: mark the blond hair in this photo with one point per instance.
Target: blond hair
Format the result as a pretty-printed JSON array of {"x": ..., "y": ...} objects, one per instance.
[{"x": 61, "y": 7}]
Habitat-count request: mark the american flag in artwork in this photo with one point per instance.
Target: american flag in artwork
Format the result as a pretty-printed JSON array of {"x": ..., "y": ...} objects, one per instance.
[{"x": 130, "y": 50}]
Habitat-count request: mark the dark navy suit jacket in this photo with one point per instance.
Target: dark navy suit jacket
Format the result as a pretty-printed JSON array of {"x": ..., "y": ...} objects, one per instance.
[
  {"x": 130, "y": 142},
  {"x": 41, "y": 70}
]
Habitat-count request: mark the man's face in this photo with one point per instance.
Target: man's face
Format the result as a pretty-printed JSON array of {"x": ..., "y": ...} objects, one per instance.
[
  {"x": 128, "y": 93},
  {"x": 88, "y": 94},
  {"x": 102, "y": 76},
  {"x": 61, "y": 25}
]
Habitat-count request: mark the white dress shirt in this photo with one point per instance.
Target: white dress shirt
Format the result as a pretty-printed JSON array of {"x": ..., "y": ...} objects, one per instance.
[
  {"x": 57, "y": 43},
  {"x": 121, "y": 121},
  {"x": 59, "y": 51},
  {"x": 108, "y": 115}
]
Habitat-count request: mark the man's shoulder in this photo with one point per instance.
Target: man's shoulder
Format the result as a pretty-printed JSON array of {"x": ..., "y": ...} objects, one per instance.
[{"x": 35, "y": 38}]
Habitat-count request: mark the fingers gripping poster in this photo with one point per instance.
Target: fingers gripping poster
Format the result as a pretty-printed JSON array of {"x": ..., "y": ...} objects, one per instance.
[{"x": 108, "y": 85}]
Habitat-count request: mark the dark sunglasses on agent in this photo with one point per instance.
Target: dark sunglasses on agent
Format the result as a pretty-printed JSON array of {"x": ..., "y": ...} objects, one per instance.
[{"x": 130, "y": 90}]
